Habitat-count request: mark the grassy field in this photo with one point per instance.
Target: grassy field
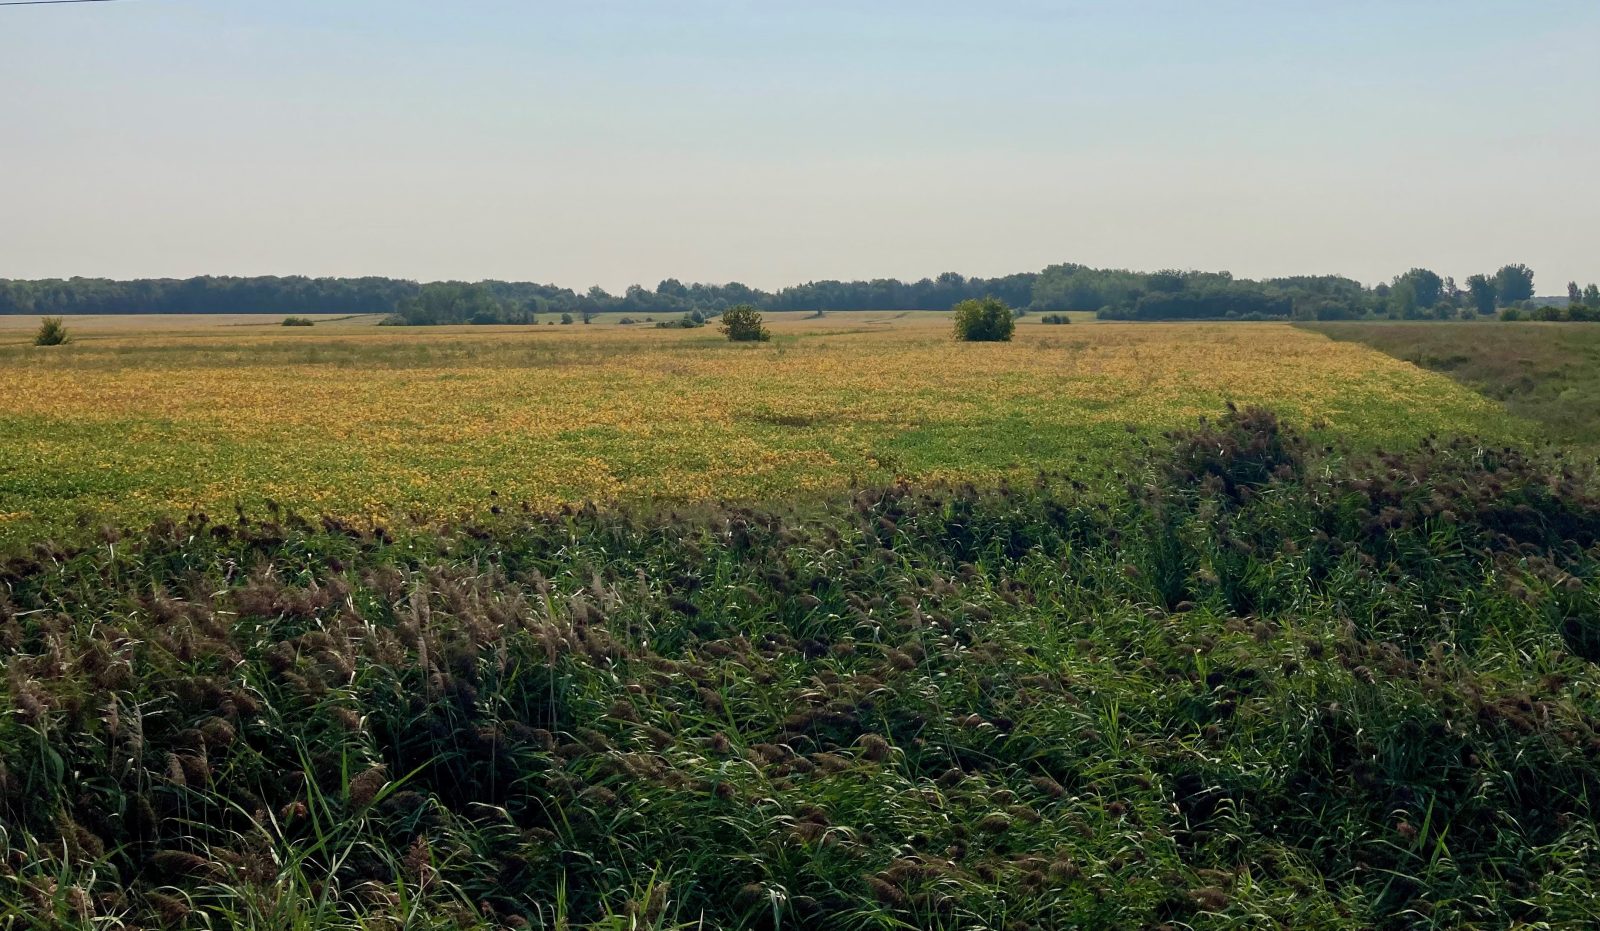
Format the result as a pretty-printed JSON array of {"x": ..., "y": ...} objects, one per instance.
[
  {"x": 1254, "y": 686},
  {"x": 1101, "y": 665},
  {"x": 1545, "y": 372},
  {"x": 381, "y": 424}
]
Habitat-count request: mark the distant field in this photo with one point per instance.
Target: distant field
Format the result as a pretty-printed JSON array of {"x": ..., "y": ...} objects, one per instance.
[
  {"x": 12, "y": 325},
  {"x": 1545, "y": 372},
  {"x": 380, "y": 424},
  {"x": 1250, "y": 681}
]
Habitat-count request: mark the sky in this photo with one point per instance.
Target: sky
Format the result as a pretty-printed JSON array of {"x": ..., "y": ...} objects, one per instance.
[{"x": 615, "y": 142}]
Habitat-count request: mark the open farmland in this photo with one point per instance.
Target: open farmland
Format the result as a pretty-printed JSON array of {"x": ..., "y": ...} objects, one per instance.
[
  {"x": 697, "y": 466},
  {"x": 1544, "y": 372},
  {"x": 92, "y": 326},
  {"x": 382, "y": 424}
]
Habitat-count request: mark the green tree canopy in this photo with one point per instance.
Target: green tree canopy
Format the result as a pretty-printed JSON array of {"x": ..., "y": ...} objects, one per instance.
[
  {"x": 1426, "y": 286},
  {"x": 1481, "y": 292},
  {"x": 984, "y": 320},
  {"x": 448, "y": 302},
  {"x": 1514, "y": 283}
]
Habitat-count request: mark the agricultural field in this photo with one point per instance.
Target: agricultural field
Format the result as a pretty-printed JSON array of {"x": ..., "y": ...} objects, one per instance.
[
  {"x": 91, "y": 326},
  {"x": 1544, "y": 372},
  {"x": 371, "y": 425},
  {"x": 608, "y": 627}
]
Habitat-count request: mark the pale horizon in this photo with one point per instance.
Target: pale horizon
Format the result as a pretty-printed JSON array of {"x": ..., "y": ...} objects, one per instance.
[{"x": 618, "y": 144}]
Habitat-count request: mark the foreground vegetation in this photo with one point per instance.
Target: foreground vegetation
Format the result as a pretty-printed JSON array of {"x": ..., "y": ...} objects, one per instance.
[
  {"x": 1251, "y": 685},
  {"x": 370, "y": 424}
]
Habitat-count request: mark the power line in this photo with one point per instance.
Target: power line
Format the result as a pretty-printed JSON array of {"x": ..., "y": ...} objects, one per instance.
[{"x": 48, "y": 2}]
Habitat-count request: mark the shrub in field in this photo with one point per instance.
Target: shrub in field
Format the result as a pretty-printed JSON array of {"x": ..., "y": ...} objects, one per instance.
[
  {"x": 742, "y": 324},
  {"x": 689, "y": 321},
  {"x": 52, "y": 332},
  {"x": 566, "y": 318},
  {"x": 297, "y": 321},
  {"x": 985, "y": 320},
  {"x": 1057, "y": 319}
]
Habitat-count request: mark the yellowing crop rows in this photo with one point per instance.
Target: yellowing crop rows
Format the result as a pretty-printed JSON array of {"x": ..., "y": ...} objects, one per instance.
[{"x": 378, "y": 424}]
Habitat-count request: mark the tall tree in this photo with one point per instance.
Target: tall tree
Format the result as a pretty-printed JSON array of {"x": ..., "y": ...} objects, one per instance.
[
  {"x": 1574, "y": 294},
  {"x": 1481, "y": 292},
  {"x": 1426, "y": 286},
  {"x": 1403, "y": 302},
  {"x": 1514, "y": 283},
  {"x": 1591, "y": 295}
]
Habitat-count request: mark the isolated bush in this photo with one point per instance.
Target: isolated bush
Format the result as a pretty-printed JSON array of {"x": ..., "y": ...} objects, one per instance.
[
  {"x": 52, "y": 332},
  {"x": 1056, "y": 319},
  {"x": 626, "y": 321},
  {"x": 566, "y": 318},
  {"x": 742, "y": 324},
  {"x": 986, "y": 320},
  {"x": 296, "y": 321}
]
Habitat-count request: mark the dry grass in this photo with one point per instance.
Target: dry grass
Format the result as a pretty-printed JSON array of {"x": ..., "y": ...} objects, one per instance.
[
  {"x": 1545, "y": 372},
  {"x": 135, "y": 324}
]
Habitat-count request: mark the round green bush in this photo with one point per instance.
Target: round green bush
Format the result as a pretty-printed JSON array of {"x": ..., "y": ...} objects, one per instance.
[{"x": 986, "y": 320}]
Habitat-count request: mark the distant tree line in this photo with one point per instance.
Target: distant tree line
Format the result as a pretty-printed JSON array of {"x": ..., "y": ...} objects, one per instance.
[
  {"x": 1583, "y": 306},
  {"x": 205, "y": 295},
  {"x": 1115, "y": 294}
]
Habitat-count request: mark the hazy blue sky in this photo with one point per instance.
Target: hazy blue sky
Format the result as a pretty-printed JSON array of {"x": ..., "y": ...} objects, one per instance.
[{"x": 620, "y": 141}]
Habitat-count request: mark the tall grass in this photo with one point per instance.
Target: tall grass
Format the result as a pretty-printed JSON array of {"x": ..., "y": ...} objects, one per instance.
[{"x": 1259, "y": 685}]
